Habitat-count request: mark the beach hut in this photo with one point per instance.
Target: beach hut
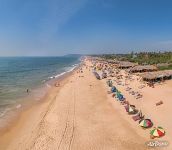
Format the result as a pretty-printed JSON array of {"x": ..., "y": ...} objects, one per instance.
[
  {"x": 157, "y": 76},
  {"x": 126, "y": 65}
]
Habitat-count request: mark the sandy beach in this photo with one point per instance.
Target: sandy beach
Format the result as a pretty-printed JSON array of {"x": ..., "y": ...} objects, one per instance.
[
  {"x": 81, "y": 115},
  {"x": 85, "y": 75}
]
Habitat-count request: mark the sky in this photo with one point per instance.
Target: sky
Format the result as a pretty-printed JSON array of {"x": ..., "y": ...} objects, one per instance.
[{"x": 59, "y": 27}]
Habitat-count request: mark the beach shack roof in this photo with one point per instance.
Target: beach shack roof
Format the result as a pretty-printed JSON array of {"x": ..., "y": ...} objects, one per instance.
[
  {"x": 162, "y": 64},
  {"x": 141, "y": 68},
  {"x": 111, "y": 61},
  {"x": 156, "y": 75},
  {"x": 126, "y": 64}
]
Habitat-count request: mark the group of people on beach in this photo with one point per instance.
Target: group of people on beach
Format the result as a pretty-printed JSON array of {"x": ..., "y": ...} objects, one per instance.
[{"x": 137, "y": 115}]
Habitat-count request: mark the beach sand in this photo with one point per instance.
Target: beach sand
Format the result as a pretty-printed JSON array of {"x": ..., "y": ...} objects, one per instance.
[{"x": 80, "y": 115}]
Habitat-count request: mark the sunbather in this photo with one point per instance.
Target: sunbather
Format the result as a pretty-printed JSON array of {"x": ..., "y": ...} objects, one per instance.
[
  {"x": 159, "y": 103},
  {"x": 139, "y": 96}
]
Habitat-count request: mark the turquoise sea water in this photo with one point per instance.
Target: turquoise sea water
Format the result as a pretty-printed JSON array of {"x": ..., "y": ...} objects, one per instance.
[{"x": 17, "y": 74}]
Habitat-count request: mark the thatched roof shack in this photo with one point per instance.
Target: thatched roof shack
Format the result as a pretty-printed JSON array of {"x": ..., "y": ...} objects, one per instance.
[
  {"x": 163, "y": 65},
  {"x": 126, "y": 64},
  {"x": 111, "y": 61},
  {"x": 145, "y": 68},
  {"x": 156, "y": 76}
]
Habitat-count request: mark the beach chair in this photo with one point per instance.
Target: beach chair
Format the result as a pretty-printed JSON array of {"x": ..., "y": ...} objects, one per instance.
[
  {"x": 128, "y": 89},
  {"x": 126, "y": 107},
  {"x": 141, "y": 87},
  {"x": 124, "y": 102},
  {"x": 109, "y": 92},
  {"x": 137, "y": 117},
  {"x": 132, "y": 92},
  {"x": 139, "y": 96}
]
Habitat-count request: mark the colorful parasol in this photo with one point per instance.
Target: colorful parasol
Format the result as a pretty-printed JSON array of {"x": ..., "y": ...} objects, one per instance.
[
  {"x": 120, "y": 97},
  {"x": 117, "y": 93},
  {"x": 145, "y": 123},
  {"x": 157, "y": 132},
  {"x": 113, "y": 89}
]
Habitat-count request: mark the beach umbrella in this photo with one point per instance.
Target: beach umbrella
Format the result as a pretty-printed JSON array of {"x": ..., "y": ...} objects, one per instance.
[
  {"x": 113, "y": 89},
  {"x": 145, "y": 123},
  {"x": 126, "y": 107},
  {"x": 131, "y": 109},
  {"x": 120, "y": 97},
  {"x": 118, "y": 93},
  {"x": 157, "y": 132}
]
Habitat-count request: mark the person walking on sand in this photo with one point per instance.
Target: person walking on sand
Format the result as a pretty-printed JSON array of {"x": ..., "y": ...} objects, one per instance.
[
  {"x": 57, "y": 84},
  {"x": 27, "y": 90}
]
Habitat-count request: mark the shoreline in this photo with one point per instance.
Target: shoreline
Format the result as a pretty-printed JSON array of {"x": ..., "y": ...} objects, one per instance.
[
  {"x": 14, "y": 118},
  {"x": 79, "y": 112},
  {"x": 26, "y": 92},
  {"x": 36, "y": 95}
]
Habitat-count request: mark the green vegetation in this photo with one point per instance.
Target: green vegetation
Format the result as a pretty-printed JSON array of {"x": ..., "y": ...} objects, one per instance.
[
  {"x": 142, "y": 58},
  {"x": 151, "y": 58},
  {"x": 165, "y": 67}
]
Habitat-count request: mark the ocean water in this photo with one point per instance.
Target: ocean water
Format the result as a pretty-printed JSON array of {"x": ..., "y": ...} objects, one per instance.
[{"x": 17, "y": 74}]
